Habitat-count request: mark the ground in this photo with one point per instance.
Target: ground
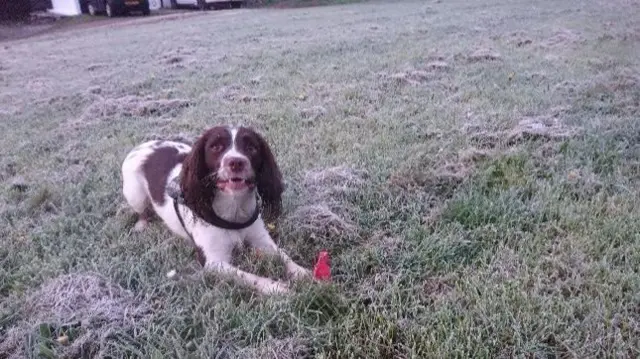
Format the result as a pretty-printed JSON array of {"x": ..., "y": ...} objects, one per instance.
[{"x": 471, "y": 167}]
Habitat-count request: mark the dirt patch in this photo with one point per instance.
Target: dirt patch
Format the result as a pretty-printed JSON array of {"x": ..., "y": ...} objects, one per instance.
[
  {"x": 483, "y": 54},
  {"x": 334, "y": 181},
  {"x": 82, "y": 311},
  {"x": 312, "y": 114},
  {"x": 435, "y": 289},
  {"x": 565, "y": 88},
  {"x": 505, "y": 265},
  {"x": 324, "y": 220},
  {"x": 519, "y": 39},
  {"x": 130, "y": 106},
  {"x": 431, "y": 70},
  {"x": 170, "y": 136},
  {"x": 438, "y": 176},
  {"x": 610, "y": 93},
  {"x": 562, "y": 269},
  {"x": 383, "y": 240},
  {"x": 435, "y": 176},
  {"x": 437, "y": 66},
  {"x": 625, "y": 80},
  {"x": 238, "y": 93},
  {"x": 561, "y": 38},
  {"x": 411, "y": 77},
  {"x": 180, "y": 58},
  {"x": 544, "y": 127},
  {"x": 94, "y": 67},
  {"x": 326, "y": 210}
]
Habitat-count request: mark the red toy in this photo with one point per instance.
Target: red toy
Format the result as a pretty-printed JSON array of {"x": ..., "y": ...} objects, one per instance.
[{"x": 322, "y": 269}]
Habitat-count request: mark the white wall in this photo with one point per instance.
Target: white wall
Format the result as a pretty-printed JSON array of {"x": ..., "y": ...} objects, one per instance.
[{"x": 66, "y": 7}]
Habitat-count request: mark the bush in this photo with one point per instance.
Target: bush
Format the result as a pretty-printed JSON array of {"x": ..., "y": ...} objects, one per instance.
[{"x": 15, "y": 9}]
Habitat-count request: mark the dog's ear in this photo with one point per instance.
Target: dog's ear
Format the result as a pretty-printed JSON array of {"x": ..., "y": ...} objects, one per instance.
[
  {"x": 196, "y": 184},
  {"x": 269, "y": 181}
]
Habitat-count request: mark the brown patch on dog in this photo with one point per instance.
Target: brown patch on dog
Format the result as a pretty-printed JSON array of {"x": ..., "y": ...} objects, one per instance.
[{"x": 156, "y": 170}]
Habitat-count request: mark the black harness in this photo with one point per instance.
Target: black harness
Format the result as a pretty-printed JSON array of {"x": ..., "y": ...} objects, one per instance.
[{"x": 216, "y": 220}]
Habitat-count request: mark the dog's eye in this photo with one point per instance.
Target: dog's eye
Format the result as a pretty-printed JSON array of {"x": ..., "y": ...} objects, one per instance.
[
  {"x": 252, "y": 149},
  {"x": 216, "y": 147}
]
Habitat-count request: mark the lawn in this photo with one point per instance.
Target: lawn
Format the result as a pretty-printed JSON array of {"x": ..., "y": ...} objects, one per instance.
[{"x": 472, "y": 167}]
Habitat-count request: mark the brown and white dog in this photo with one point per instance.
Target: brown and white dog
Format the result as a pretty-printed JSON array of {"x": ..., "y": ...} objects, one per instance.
[{"x": 218, "y": 179}]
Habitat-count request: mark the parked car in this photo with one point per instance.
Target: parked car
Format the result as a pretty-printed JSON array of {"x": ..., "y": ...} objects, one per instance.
[
  {"x": 118, "y": 7},
  {"x": 207, "y": 4}
]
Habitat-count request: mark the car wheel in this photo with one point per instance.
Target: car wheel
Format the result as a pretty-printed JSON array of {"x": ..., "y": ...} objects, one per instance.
[
  {"x": 202, "y": 5},
  {"x": 92, "y": 10},
  {"x": 109, "y": 10},
  {"x": 174, "y": 4},
  {"x": 146, "y": 10}
]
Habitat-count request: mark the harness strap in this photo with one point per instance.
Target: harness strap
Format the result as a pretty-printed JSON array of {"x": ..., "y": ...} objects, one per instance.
[
  {"x": 217, "y": 220},
  {"x": 175, "y": 207}
]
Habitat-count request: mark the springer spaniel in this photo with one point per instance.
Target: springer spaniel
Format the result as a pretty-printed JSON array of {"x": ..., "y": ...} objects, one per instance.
[{"x": 218, "y": 182}]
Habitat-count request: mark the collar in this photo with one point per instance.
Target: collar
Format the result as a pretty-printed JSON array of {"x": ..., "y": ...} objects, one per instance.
[{"x": 218, "y": 221}]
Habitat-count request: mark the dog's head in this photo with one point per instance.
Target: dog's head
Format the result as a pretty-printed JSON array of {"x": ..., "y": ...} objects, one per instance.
[{"x": 232, "y": 160}]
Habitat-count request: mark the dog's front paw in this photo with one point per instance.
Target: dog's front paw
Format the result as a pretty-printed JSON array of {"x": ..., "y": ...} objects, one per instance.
[
  {"x": 140, "y": 225},
  {"x": 273, "y": 287},
  {"x": 297, "y": 272}
]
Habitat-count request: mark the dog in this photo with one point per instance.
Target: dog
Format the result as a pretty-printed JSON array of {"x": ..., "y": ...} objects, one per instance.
[{"x": 215, "y": 204}]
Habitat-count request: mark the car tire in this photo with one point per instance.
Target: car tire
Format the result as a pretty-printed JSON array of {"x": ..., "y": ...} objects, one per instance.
[
  {"x": 202, "y": 5},
  {"x": 174, "y": 4},
  {"x": 146, "y": 10},
  {"x": 108, "y": 8},
  {"x": 92, "y": 10}
]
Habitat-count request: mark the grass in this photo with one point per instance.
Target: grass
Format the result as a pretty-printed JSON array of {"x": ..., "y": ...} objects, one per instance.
[{"x": 476, "y": 165}]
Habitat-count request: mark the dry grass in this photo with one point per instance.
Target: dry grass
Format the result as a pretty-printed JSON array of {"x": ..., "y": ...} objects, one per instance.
[
  {"x": 326, "y": 210},
  {"x": 78, "y": 314},
  {"x": 472, "y": 168}
]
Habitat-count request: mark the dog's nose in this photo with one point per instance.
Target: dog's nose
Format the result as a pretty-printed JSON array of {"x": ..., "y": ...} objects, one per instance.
[{"x": 236, "y": 164}]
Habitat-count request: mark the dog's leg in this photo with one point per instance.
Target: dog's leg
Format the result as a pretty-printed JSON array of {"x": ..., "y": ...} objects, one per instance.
[
  {"x": 262, "y": 240},
  {"x": 217, "y": 252},
  {"x": 135, "y": 193},
  {"x": 143, "y": 219},
  {"x": 264, "y": 285}
]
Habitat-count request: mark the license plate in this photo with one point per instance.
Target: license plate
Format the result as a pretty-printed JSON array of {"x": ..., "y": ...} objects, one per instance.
[{"x": 131, "y": 3}]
